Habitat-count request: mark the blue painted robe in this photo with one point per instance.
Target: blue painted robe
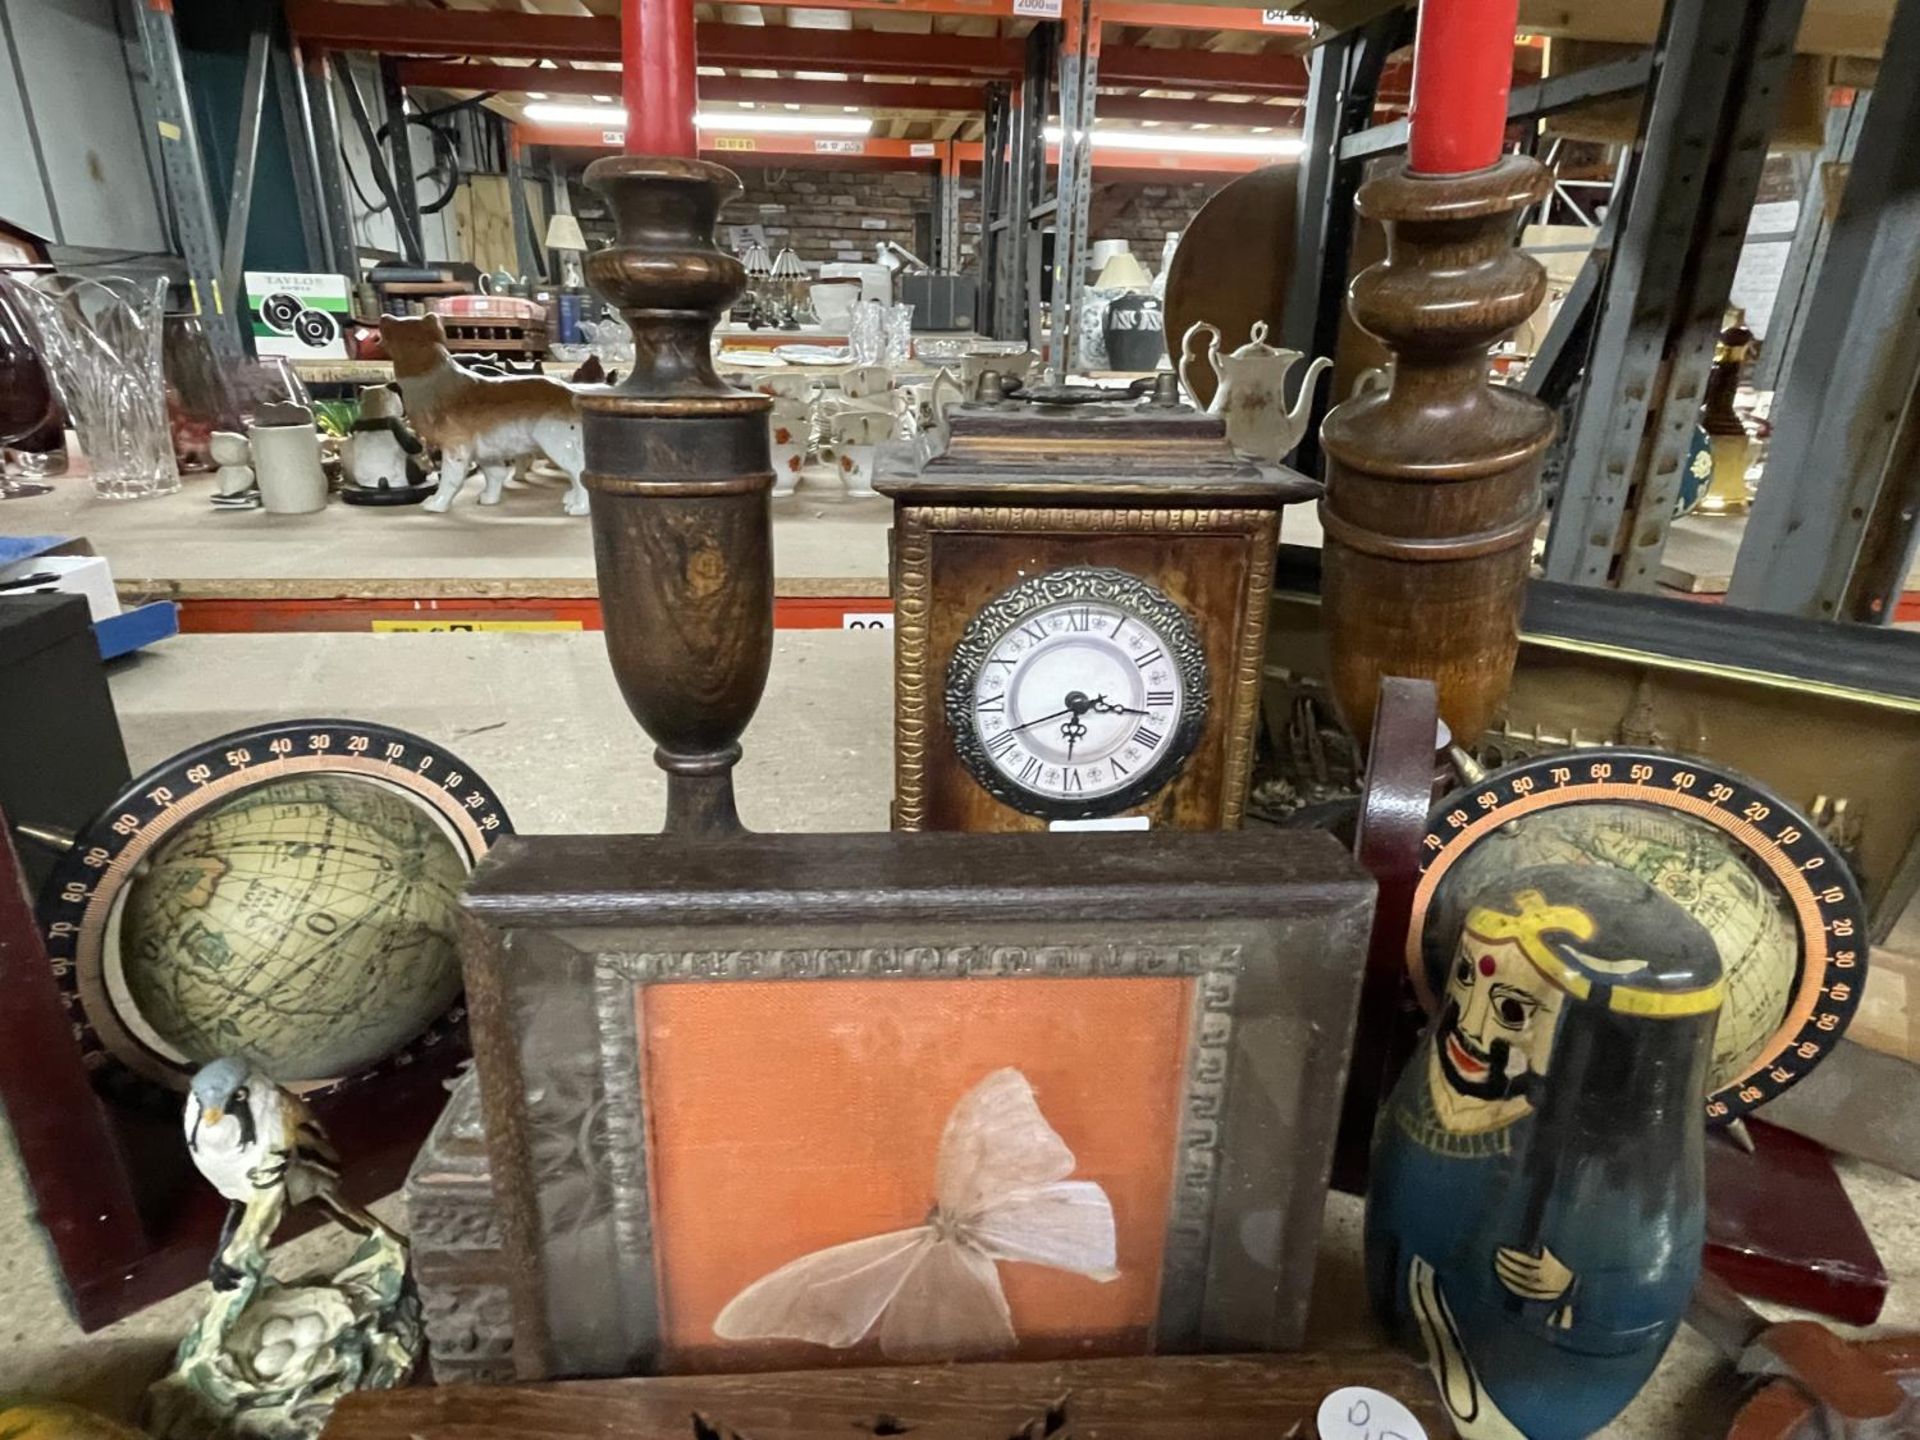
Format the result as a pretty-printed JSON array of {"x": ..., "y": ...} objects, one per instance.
[{"x": 1631, "y": 1238}]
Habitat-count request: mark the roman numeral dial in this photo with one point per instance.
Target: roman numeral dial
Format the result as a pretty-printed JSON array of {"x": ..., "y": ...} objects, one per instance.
[{"x": 1076, "y": 693}]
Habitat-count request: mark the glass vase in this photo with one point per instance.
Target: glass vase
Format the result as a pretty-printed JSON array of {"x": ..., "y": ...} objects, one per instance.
[{"x": 101, "y": 342}]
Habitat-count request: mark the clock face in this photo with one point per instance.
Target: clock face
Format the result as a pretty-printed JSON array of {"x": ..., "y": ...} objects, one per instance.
[{"x": 1078, "y": 693}]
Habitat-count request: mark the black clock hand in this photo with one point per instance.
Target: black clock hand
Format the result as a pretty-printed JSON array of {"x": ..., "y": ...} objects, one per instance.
[
  {"x": 1102, "y": 707},
  {"x": 1073, "y": 729},
  {"x": 1077, "y": 704},
  {"x": 1029, "y": 724}
]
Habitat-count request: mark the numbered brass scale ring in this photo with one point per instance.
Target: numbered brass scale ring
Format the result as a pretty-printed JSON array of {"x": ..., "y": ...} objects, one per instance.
[
  {"x": 80, "y": 903},
  {"x": 1778, "y": 845}
]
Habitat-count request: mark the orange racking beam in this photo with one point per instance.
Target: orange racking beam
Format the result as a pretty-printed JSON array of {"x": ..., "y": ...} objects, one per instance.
[
  {"x": 961, "y": 98},
  {"x": 873, "y": 152},
  {"x": 500, "y": 34},
  {"x": 519, "y": 79}
]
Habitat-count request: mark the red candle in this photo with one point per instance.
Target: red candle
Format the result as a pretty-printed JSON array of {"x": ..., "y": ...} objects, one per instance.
[
  {"x": 656, "y": 81},
  {"x": 1462, "y": 70}
]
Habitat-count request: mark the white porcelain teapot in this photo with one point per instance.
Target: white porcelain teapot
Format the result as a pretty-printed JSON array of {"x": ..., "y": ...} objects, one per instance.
[{"x": 1250, "y": 391}]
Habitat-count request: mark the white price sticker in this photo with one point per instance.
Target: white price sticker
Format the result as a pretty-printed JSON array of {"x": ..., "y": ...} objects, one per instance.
[
  {"x": 840, "y": 147},
  {"x": 1279, "y": 17},
  {"x": 1358, "y": 1413},
  {"x": 613, "y": 137},
  {"x": 921, "y": 150},
  {"x": 866, "y": 620},
  {"x": 1037, "y": 9},
  {"x": 1111, "y": 822}
]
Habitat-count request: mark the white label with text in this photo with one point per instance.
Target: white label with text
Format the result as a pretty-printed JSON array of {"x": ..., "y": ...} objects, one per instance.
[{"x": 1358, "y": 1413}]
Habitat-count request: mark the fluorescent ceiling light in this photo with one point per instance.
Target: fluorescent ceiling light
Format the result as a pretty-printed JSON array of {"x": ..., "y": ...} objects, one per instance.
[
  {"x": 1190, "y": 142},
  {"x": 613, "y": 117}
]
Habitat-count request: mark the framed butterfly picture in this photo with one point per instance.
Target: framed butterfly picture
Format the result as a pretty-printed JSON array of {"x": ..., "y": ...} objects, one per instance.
[{"x": 801, "y": 1101}]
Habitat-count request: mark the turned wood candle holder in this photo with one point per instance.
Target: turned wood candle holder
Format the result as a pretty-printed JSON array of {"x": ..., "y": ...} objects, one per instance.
[
  {"x": 1433, "y": 493},
  {"x": 679, "y": 470}
]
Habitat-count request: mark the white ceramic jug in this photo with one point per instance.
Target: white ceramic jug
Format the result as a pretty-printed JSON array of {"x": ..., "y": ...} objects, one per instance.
[{"x": 1250, "y": 391}]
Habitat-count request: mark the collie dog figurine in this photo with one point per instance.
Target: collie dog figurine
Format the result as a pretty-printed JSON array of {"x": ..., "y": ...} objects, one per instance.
[{"x": 481, "y": 422}]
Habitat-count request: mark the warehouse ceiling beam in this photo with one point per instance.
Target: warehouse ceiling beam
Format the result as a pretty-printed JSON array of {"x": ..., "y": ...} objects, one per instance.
[
  {"x": 1205, "y": 18},
  {"x": 496, "y": 34},
  {"x": 1282, "y": 113},
  {"x": 521, "y": 79},
  {"x": 788, "y": 47},
  {"x": 875, "y": 152},
  {"x": 504, "y": 34},
  {"x": 1258, "y": 74},
  {"x": 957, "y": 98}
]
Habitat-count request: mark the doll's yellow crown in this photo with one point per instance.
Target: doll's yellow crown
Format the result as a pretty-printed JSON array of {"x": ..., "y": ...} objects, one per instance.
[{"x": 1532, "y": 918}]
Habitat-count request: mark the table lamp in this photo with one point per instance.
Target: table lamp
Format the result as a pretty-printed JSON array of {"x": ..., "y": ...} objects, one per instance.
[{"x": 563, "y": 236}]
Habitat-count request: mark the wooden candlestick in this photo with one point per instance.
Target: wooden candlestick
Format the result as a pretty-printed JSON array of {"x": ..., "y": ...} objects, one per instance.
[
  {"x": 679, "y": 470},
  {"x": 1433, "y": 489}
]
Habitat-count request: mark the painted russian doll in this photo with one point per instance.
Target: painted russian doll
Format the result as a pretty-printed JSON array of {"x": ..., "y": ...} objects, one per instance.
[{"x": 1536, "y": 1214}]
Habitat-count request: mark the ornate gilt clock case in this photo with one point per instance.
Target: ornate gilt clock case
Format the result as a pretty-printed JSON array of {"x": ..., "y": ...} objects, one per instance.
[{"x": 1080, "y": 619}]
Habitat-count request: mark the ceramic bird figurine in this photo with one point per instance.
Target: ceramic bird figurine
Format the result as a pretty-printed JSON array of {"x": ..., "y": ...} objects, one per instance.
[
  {"x": 1536, "y": 1213},
  {"x": 261, "y": 1148}
]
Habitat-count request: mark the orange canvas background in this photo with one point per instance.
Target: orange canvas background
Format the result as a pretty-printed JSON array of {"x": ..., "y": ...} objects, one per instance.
[{"x": 787, "y": 1116}]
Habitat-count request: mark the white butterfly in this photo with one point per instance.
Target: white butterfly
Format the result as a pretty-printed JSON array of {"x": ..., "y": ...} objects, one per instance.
[{"x": 1000, "y": 1193}]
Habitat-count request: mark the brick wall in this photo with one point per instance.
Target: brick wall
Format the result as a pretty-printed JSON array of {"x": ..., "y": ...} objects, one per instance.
[
  {"x": 1135, "y": 211},
  {"x": 842, "y": 214},
  {"x": 1144, "y": 213},
  {"x": 832, "y": 214}
]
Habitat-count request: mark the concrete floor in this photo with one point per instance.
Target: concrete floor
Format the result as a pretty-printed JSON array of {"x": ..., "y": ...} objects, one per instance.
[{"x": 539, "y": 716}]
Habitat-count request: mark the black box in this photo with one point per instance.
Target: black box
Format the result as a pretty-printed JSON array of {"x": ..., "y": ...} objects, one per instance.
[
  {"x": 61, "y": 757},
  {"x": 940, "y": 302}
]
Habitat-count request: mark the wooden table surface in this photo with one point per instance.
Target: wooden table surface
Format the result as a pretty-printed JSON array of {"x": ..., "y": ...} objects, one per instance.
[{"x": 1266, "y": 1397}]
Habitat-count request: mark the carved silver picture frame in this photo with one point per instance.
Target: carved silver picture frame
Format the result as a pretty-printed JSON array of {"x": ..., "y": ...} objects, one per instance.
[{"x": 562, "y": 936}]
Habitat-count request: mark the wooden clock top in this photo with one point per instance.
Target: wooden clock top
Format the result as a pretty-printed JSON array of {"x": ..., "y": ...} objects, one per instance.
[{"x": 1093, "y": 455}]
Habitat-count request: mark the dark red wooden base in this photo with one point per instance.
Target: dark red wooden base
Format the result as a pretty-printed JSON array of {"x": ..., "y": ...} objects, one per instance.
[{"x": 1780, "y": 1227}]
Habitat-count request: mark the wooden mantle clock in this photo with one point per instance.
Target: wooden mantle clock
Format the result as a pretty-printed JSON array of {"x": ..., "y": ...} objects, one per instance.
[{"x": 1080, "y": 614}]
